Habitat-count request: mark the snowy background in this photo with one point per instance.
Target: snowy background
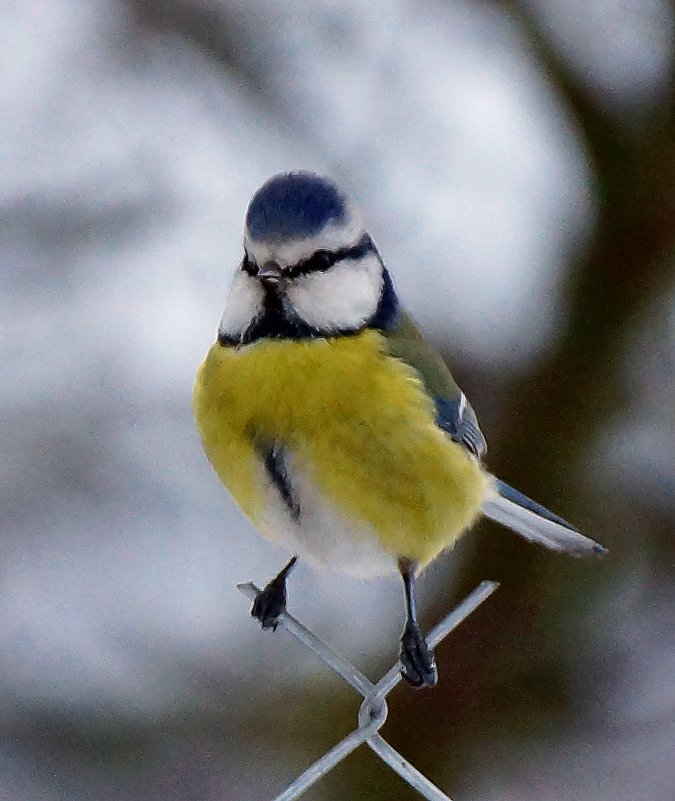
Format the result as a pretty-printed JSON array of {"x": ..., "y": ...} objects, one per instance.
[{"x": 517, "y": 165}]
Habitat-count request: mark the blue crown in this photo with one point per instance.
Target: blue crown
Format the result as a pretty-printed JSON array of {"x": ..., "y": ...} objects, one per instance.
[{"x": 294, "y": 205}]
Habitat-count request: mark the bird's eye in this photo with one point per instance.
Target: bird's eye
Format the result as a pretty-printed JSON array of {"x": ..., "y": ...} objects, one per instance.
[
  {"x": 321, "y": 260},
  {"x": 318, "y": 262},
  {"x": 249, "y": 266}
]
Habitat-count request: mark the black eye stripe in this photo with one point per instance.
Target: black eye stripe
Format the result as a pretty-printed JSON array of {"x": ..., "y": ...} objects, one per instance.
[
  {"x": 318, "y": 262},
  {"x": 323, "y": 260}
]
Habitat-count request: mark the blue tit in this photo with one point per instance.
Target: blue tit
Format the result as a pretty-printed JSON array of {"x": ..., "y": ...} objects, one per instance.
[{"x": 335, "y": 425}]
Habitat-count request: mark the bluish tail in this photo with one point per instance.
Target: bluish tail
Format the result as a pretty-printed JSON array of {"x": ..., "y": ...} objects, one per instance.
[{"x": 535, "y": 522}]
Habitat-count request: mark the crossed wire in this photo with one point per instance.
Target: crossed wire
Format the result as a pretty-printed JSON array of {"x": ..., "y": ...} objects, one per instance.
[{"x": 373, "y": 711}]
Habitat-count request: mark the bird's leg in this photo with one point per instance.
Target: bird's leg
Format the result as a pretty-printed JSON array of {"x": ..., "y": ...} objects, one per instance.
[
  {"x": 418, "y": 665},
  {"x": 270, "y": 603}
]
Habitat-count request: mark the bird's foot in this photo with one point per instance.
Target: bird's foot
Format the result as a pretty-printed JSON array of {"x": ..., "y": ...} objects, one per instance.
[
  {"x": 270, "y": 603},
  {"x": 418, "y": 665}
]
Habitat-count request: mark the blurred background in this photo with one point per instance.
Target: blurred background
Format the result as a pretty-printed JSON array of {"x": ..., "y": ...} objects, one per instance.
[{"x": 516, "y": 161}]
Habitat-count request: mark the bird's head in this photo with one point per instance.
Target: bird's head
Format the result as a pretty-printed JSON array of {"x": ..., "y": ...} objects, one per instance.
[{"x": 309, "y": 266}]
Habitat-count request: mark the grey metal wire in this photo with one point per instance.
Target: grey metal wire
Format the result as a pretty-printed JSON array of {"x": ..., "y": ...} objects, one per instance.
[{"x": 373, "y": 711}]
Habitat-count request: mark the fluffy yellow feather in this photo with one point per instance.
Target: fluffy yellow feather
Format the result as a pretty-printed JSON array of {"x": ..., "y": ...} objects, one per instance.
[{"x": 360, "y": 423}]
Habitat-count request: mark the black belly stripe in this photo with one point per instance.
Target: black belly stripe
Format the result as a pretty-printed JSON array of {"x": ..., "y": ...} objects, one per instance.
[{"x": 275, "y": 464}]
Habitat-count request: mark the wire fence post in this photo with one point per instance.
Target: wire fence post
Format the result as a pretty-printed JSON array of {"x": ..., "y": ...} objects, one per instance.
[{"x": 373, "y": 711}]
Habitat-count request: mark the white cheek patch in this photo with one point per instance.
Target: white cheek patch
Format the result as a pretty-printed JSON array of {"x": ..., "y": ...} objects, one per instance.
[
  {"x": 244, "y": 303},
  {"x": 343, "y": 297}
]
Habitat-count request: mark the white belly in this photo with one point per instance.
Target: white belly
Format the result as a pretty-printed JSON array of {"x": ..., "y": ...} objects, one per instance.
[{"x": 322, "y": 534}]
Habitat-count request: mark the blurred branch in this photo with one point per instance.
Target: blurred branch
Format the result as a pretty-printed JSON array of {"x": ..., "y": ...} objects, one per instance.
[
  {"x": 214, "y": 28},
  {"x": 556, "y": 409}
]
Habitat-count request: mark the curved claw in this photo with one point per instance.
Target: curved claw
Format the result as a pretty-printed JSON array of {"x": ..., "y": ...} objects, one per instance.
[
  {"x": 418, "y": 665},
  {"x": 270, "y": 603}
]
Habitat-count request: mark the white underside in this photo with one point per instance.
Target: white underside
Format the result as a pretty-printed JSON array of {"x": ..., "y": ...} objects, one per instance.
[{"x": 323, "y": 535}]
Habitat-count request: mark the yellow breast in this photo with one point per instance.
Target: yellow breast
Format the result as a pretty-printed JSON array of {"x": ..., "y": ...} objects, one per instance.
[{"x": 360, "y": 423}]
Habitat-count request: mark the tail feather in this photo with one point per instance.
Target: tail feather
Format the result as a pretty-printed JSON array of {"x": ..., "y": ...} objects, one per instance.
[{"x": 535, "y": 522}]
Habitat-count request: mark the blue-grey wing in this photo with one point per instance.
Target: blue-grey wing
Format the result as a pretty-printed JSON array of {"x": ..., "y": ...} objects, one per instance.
[
  {"x": 458, "y": 419},
  {"x": 454, "y": 412}
]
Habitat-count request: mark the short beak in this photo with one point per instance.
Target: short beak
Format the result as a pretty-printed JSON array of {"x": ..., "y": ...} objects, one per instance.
[{"x": 271, "y": 276}]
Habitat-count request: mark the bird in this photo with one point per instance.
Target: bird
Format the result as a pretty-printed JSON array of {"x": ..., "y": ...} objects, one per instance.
[{"x": 335, "y": 425}]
